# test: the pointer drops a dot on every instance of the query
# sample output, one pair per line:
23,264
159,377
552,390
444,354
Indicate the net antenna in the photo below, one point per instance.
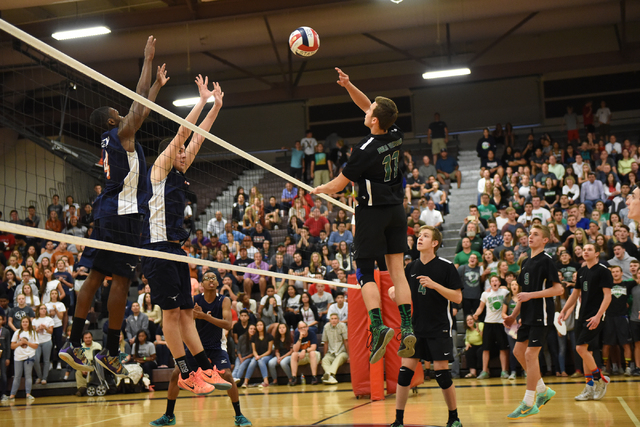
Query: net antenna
69,61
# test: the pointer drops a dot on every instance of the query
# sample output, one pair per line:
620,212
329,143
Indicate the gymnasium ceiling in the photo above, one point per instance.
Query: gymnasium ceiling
384,46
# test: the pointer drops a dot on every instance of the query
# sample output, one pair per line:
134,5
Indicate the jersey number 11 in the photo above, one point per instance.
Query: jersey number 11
390,162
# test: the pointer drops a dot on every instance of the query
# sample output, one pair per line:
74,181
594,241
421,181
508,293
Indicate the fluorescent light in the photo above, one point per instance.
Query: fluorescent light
189,102
82,32
396,1
446,73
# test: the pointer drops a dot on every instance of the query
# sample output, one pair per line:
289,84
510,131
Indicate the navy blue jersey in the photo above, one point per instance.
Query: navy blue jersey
125,188
164,222
212,337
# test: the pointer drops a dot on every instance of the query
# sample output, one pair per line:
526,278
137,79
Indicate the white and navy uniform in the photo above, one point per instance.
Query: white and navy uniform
537,274
381,223
163,231
432,318
119,210
213,339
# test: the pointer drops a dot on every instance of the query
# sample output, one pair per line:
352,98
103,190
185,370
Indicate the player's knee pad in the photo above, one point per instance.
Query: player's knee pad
405,377
443,378
365,270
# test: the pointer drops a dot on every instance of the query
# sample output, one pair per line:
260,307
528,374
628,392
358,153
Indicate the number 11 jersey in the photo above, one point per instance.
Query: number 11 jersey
432,316
374,165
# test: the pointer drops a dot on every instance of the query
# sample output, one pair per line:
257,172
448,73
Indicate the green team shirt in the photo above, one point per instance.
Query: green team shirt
487,212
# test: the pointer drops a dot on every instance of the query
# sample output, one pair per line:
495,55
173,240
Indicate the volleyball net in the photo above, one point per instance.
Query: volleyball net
50,148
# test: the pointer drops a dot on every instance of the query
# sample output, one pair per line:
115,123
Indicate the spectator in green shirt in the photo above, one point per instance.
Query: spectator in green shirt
462,257
474,237
487,211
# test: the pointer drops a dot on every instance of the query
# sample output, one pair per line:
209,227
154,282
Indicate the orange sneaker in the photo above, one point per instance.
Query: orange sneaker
195,384
212,376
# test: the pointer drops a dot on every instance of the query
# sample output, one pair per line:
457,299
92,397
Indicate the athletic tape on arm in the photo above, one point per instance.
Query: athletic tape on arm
82,241
65,59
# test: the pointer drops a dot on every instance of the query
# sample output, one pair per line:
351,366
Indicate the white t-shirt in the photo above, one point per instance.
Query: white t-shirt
20,354
263,301
493,305
343,313
43,336
35,303
57,322
431,217
308,146
307,315
293,302
543,214
500,222
51,285
252,306
603,114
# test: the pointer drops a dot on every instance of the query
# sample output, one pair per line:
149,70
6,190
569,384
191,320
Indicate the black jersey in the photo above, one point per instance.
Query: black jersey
591,281
212,336
620,293
432,316
537,274
374,164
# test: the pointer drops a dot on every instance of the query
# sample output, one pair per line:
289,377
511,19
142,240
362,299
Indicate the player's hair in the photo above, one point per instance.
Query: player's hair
544,229
435,235
99,119
596,247
386,112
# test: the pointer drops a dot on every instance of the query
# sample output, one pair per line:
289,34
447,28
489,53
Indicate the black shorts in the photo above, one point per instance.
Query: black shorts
218,358
635,331
120,229
170,281
494,336
380,230
616,331
434,349
584,335
536,335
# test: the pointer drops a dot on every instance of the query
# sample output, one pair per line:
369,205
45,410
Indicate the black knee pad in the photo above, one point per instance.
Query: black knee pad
443,378
405,377
365,270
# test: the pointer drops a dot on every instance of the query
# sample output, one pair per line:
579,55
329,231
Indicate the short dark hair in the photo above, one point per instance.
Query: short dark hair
99,119
339,294
31,207
386,112
243,311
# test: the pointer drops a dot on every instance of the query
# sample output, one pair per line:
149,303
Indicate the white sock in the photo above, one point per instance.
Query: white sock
541,386
529,396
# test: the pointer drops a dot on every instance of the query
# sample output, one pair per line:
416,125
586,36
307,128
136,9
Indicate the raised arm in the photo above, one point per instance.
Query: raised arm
359,98
197,140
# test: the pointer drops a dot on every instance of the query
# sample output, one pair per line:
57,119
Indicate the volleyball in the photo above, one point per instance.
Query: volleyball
304,42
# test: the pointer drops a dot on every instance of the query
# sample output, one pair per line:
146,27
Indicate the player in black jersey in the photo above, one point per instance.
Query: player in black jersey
212,315
617,331
381,223
435,284
539,282
593,286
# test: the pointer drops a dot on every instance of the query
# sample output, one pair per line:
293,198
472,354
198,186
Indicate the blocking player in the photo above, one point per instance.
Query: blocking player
538,280
213,315
435,284
118,214
381,223
163,231
593,286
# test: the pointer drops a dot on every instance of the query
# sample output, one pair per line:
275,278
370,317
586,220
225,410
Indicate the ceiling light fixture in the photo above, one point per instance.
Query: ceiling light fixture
446,73
82,32
396,1
189,102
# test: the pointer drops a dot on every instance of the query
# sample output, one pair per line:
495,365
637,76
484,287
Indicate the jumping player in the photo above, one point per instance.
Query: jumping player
163,231
538,280
594,286
213,314
381,223
435,284
118,213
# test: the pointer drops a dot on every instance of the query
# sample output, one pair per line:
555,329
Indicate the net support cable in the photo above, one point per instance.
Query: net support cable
82,241
73,63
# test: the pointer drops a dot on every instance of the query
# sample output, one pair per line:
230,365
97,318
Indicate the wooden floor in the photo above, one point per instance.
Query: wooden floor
480,403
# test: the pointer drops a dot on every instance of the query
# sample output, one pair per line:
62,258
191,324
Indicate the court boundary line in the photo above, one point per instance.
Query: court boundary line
629,412
110,419
342,413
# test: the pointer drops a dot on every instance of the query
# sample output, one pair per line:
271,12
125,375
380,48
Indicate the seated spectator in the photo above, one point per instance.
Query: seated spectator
200,240
321,300
272,217
336,348
431,216
485,144
309,312
163,359
259,235
32,300
340,307
540,179
291,306
316,223
341,235
538,211
217,225
492,164
447,168
345,258
305,245
493,239
299,267
271,313
304,352
591,192
53,223
251,280
550,195
621,235
556,169
35,219
486,210
283,348
428,170
61,251
244,353
247,243
245,302
474,238
415,186
287,259
239,209
261,346
137,321
89,348
14,219
153,312
143,352
462,257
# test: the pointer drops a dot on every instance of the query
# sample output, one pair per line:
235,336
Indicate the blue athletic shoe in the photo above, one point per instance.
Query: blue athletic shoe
111,363
164,421
75,357
242,421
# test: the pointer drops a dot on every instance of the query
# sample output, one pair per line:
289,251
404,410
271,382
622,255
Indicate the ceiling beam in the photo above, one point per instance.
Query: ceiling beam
300,71
395,48
502,37
40,12
242,70
275,49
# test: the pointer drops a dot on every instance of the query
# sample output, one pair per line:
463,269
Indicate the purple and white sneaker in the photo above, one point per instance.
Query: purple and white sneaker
75,357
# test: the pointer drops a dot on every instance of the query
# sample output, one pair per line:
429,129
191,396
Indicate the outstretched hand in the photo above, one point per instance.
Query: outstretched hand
203,87
150,48
161,75
343,78
218,94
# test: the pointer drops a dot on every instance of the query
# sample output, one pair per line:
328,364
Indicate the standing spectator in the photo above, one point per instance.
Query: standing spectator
472,289
24,343
282,349
604,120
321,167
570,122
144,352
616,331
86,219
19,312
437,137
473,345
304,352
89,348
309,144
43,325
447,168
336,348
5,357
297,165
57,311
485,144
14,219
587,117
135,323
216,225
56,207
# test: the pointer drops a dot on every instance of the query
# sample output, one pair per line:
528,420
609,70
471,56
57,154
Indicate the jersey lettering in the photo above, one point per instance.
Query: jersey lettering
389,164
